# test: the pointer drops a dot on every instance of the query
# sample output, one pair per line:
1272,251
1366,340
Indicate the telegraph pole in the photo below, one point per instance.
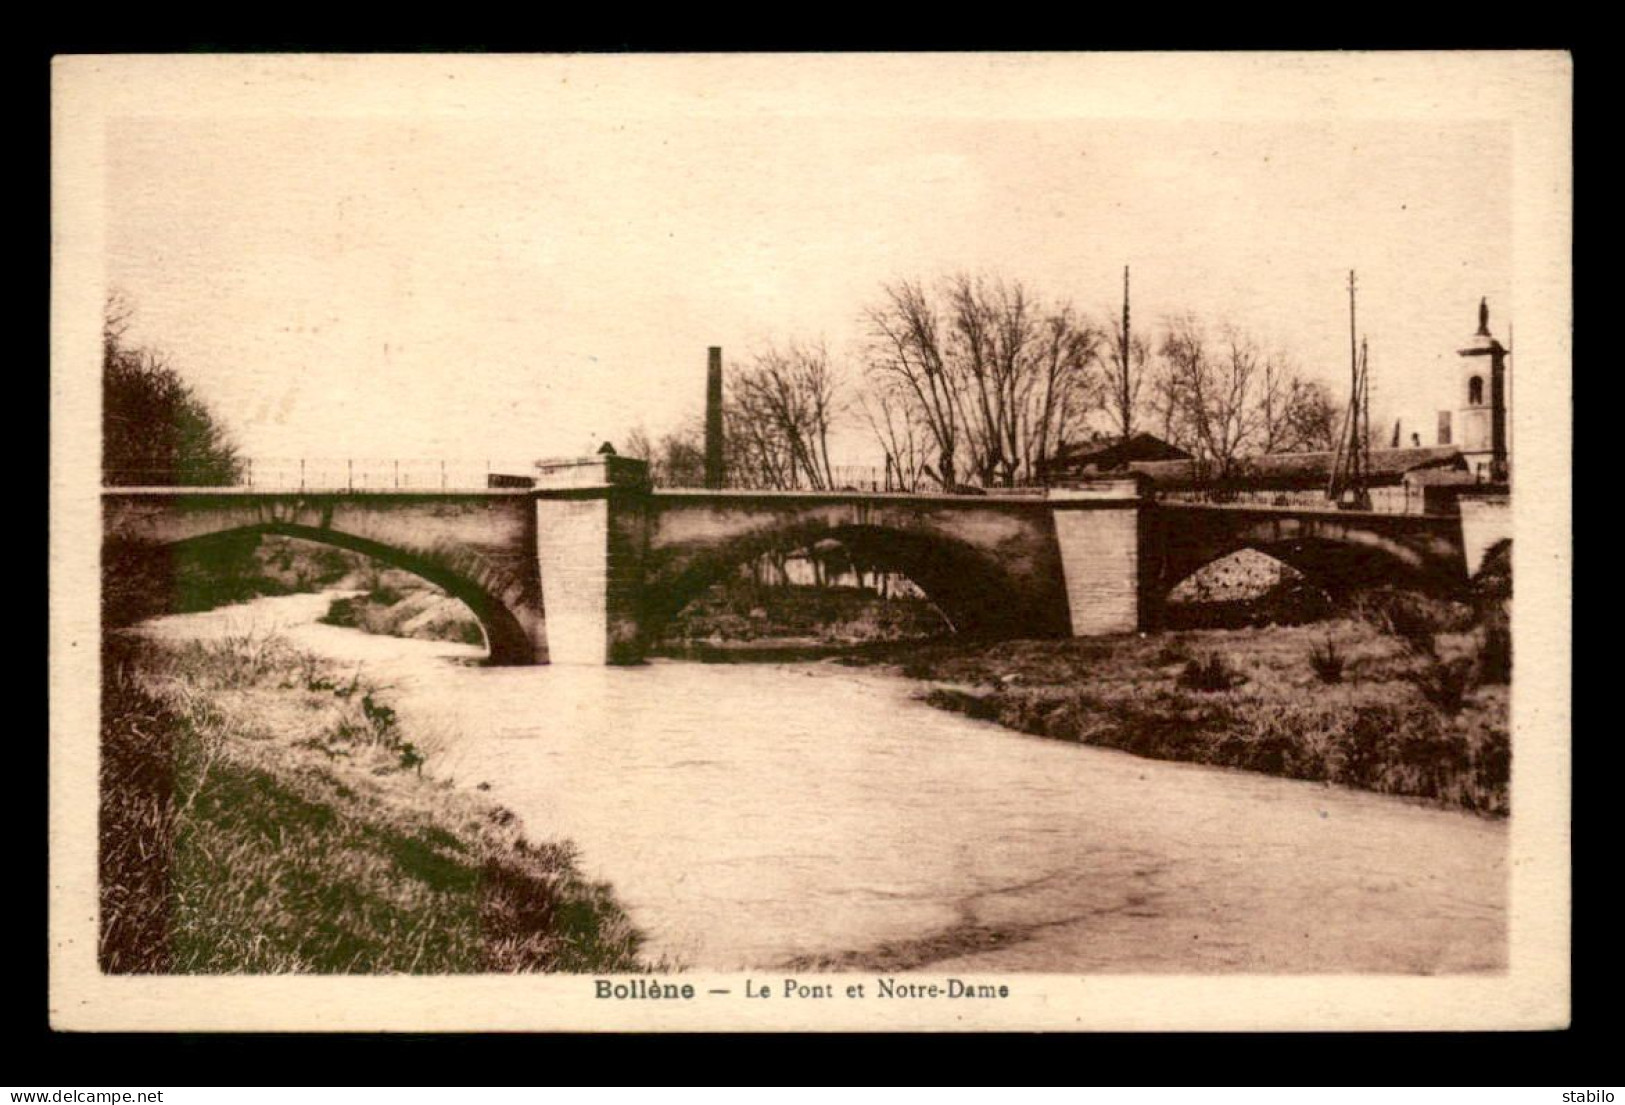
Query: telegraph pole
1352,462
1124,395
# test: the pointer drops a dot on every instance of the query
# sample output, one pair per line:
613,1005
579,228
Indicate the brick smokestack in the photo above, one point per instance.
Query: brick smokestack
713,419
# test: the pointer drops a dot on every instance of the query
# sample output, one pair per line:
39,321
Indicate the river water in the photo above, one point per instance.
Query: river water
760,815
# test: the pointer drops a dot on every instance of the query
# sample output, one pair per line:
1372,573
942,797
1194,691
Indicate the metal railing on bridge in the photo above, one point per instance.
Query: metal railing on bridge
362,474
845,477
874,479
1401,499
330,474
335,474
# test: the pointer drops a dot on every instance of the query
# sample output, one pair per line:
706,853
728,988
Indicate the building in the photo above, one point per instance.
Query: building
1399,480
1110,454
1479,425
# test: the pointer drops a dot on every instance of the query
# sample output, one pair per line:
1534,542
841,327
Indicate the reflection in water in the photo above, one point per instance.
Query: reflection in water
758,815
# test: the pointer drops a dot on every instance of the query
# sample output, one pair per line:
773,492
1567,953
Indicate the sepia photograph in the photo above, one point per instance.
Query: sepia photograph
894,542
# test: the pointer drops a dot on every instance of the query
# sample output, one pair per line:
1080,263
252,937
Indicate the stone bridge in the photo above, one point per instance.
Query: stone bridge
591,564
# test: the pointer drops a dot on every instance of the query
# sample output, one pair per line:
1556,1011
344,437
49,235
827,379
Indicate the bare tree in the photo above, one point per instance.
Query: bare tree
1166,407
996,382
900,432
1293,415
780,411
1311,417
638,445
1277,385
1212,384
1222,399
679,459
1064,390
906,359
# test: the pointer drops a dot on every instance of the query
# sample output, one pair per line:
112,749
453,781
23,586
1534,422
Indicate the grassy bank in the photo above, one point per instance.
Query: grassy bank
1348,702
262,812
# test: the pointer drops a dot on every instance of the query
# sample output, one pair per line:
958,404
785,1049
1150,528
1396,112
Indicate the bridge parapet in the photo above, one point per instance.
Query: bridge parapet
592,472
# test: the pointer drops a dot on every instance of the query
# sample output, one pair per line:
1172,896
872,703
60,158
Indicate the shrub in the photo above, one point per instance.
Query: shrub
382,594
1411,626
1413,618
1209,674
1494,578
155,430
1327,662
342,612
1495,649
379,716
1445,683
1171,651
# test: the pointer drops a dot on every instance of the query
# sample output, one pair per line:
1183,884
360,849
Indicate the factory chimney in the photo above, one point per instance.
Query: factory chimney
713,420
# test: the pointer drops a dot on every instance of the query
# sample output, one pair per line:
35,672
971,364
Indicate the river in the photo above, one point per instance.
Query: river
759,815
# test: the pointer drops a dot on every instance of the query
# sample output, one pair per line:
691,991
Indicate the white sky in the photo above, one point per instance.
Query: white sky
532,266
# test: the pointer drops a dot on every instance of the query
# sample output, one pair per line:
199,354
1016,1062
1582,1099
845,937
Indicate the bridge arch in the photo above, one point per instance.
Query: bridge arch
1336,564
491,598
968,586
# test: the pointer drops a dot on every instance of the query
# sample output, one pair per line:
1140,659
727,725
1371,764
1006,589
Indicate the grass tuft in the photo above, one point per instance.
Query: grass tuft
1327,662
1210,674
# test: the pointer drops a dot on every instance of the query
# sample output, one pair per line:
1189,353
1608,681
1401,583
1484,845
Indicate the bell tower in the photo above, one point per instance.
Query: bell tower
1481,417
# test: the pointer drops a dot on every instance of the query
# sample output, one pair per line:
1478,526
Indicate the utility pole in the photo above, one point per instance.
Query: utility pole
1351,465
1354,393
1362,477
1125,395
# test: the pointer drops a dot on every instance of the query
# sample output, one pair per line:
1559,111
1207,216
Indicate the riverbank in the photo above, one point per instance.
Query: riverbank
1339,702
264,812
1402,695
756,816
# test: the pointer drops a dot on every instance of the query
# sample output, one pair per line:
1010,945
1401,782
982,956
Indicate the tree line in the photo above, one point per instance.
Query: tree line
980,381
967,381
155,431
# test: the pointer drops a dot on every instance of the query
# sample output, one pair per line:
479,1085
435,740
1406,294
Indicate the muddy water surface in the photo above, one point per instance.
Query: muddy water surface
767,814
